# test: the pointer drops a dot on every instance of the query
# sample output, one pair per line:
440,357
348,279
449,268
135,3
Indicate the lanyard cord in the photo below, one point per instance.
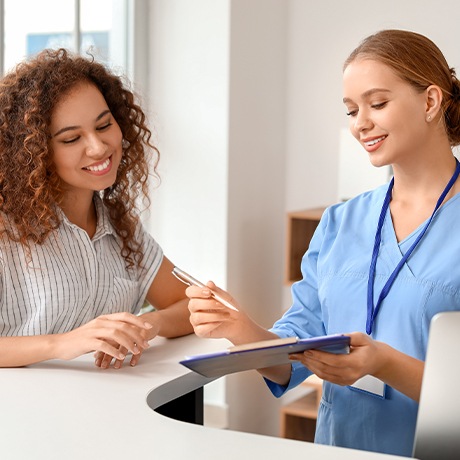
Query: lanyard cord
371,310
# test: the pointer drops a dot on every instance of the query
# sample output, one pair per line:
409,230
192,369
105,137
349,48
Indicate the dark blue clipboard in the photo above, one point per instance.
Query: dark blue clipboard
237,359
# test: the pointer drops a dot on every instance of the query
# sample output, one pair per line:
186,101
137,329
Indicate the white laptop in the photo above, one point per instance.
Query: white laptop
437,434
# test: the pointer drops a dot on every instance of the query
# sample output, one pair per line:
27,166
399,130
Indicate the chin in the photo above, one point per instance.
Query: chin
378,162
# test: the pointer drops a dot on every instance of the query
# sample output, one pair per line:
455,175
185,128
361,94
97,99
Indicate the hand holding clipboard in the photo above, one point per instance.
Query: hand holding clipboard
262,354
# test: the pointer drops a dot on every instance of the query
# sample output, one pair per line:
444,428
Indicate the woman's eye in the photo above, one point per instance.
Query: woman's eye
107,125
380,105
352,113
71,141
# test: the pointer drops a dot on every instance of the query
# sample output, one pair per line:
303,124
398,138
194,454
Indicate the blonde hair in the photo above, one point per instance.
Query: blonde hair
419,62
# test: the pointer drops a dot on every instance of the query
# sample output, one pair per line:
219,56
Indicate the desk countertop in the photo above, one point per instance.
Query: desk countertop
73,410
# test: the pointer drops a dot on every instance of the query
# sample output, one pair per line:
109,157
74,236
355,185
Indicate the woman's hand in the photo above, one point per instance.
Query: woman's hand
367,357
343,369
111,336
210,318
103,360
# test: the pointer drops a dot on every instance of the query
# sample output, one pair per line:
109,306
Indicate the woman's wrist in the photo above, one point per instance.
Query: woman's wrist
155,320
382,360
248,331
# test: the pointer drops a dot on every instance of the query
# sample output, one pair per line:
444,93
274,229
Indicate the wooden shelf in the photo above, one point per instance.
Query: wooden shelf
300,228
298,418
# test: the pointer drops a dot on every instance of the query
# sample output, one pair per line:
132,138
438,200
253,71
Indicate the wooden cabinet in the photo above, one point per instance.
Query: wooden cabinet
298,418
300,228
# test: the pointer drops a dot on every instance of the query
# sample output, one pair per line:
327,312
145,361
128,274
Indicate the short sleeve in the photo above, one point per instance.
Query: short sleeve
151,262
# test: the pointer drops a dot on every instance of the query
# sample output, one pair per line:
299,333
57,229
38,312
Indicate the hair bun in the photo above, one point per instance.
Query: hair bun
455,86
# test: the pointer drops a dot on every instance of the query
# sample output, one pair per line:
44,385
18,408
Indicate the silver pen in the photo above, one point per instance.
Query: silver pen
190,280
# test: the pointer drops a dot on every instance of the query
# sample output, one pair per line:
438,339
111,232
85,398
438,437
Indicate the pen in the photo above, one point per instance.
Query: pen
188,279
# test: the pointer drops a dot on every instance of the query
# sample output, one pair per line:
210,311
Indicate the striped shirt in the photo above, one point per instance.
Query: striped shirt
72,279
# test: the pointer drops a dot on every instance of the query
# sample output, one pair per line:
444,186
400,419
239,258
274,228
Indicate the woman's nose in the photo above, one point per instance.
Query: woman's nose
95,146
362,121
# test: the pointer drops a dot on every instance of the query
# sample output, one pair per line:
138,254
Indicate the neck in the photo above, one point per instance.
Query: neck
416,193
81,212
423,180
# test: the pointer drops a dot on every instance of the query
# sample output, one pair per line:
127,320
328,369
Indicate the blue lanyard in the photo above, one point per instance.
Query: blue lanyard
371,310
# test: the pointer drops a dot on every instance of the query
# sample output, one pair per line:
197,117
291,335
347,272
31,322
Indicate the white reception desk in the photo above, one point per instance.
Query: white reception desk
73,410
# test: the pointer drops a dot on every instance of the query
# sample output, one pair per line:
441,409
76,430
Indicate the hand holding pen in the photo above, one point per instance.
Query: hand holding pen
188,279
213,313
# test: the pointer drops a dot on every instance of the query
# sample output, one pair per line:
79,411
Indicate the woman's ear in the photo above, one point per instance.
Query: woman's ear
433,102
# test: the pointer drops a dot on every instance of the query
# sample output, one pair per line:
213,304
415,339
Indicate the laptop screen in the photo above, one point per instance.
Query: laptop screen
437,434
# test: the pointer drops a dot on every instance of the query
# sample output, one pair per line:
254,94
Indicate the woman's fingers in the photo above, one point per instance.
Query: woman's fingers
135,359
114,336
128,335
343,369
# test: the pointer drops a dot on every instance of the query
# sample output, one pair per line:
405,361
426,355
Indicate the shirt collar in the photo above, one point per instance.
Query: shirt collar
103,226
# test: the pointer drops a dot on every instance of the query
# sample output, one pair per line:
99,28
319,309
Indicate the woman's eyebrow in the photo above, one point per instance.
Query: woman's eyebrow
70,128
368,94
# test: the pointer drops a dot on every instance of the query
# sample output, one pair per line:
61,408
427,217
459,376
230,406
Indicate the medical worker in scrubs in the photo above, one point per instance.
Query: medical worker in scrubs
381,265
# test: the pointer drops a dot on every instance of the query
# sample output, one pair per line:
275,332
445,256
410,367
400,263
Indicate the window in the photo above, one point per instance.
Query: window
98,27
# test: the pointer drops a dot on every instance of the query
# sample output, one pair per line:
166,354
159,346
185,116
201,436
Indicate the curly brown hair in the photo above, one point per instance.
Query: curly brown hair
30,190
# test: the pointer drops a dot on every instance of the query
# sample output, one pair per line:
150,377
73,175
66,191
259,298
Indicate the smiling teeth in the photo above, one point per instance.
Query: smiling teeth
374,141
100,167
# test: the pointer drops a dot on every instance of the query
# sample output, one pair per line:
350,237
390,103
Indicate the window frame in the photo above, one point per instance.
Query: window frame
135,52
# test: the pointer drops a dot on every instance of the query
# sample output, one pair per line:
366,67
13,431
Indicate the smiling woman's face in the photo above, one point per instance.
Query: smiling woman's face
86,141
387,115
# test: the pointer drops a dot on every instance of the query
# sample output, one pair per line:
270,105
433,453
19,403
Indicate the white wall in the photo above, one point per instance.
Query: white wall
188,89
217,79
256,188
189,99
246,100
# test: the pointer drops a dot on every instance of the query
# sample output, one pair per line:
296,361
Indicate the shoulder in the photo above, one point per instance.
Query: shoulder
364,206
347,219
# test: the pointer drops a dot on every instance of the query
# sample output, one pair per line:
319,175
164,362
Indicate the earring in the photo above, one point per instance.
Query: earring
428,118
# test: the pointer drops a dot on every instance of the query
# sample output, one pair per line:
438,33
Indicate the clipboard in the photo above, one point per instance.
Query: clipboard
258,355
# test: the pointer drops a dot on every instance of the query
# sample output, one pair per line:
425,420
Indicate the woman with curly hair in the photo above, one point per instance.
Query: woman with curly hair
76,264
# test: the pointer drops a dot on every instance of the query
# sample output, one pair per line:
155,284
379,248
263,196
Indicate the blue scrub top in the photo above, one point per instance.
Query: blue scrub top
331,298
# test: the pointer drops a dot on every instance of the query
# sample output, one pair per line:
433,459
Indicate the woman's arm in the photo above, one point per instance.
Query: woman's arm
112,335
167,296
402,372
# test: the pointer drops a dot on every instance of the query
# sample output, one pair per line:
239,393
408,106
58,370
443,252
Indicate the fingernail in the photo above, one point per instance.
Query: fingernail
148,325
121,356
145,344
